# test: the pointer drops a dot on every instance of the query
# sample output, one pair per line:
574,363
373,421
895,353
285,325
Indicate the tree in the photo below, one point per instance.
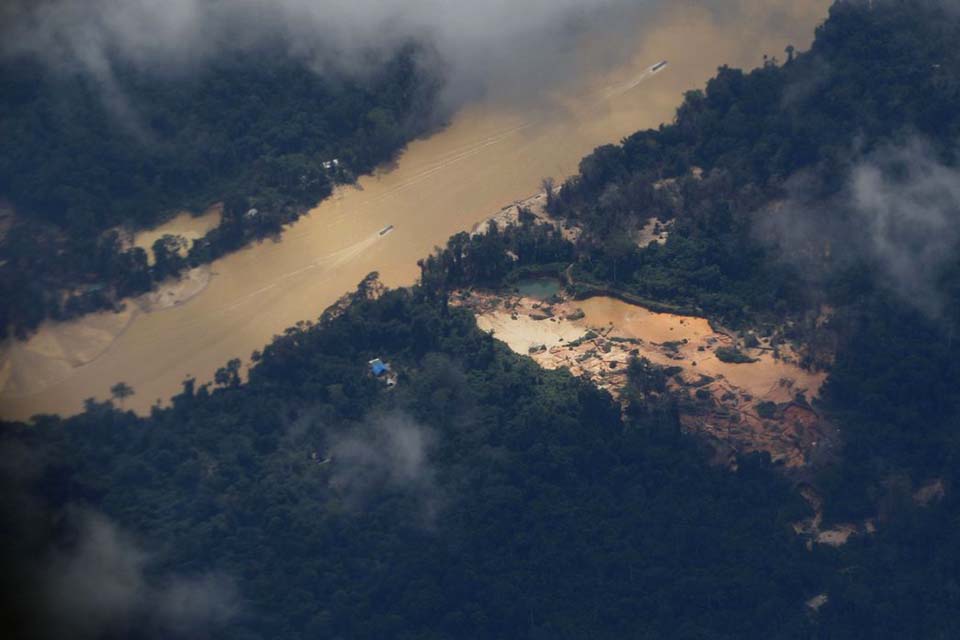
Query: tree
121,391
228,376
619,248
548,188
168,255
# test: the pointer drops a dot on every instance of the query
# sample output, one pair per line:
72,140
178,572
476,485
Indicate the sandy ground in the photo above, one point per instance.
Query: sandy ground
490,154
771,379
596,338
523,333
535,204
176,291
58,350
813,530
655,230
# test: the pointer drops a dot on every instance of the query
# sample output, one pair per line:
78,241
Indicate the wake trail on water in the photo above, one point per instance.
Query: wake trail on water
617,91
324,263
443,161
465,152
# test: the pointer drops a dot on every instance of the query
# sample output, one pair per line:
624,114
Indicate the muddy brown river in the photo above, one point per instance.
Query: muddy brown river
489,156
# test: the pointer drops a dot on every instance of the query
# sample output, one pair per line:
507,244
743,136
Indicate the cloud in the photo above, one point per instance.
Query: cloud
388,453
190,605
70,572
899,212
909,206
98,584
483,45
102,584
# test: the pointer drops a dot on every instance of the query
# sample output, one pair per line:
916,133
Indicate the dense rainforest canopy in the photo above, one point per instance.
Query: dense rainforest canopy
877,84
486,498
480,498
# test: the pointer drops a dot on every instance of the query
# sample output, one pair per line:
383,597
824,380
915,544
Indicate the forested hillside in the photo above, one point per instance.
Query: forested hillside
483,497
831,215
827,182
880,80
257,130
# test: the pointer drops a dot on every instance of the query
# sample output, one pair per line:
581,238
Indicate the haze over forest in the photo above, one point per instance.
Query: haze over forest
486,48
575,332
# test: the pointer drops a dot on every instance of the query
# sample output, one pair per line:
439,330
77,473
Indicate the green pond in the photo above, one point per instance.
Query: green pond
540,288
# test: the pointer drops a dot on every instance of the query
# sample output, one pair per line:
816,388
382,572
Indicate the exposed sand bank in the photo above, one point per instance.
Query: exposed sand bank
176,291
488,156
59,350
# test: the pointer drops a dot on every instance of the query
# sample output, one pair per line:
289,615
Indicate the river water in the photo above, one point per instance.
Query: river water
489,156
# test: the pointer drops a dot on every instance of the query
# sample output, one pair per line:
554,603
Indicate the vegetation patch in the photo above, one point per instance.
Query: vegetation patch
767,410
732,355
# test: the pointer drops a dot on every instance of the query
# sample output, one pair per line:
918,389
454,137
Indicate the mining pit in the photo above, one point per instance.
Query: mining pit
763,401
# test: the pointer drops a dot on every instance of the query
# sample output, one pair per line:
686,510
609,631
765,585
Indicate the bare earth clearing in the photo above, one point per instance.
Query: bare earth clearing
537,205
596,338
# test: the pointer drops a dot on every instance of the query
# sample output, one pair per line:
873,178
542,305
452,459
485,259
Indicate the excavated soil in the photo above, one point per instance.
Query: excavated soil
723,401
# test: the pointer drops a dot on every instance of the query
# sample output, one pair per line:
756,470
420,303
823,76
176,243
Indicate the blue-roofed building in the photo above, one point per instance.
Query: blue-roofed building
378,367
381,370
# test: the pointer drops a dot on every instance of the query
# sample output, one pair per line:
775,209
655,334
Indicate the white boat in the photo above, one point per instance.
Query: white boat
657,67
387,229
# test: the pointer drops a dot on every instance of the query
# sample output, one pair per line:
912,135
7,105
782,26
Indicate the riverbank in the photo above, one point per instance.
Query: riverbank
186,225
176,291
489,155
